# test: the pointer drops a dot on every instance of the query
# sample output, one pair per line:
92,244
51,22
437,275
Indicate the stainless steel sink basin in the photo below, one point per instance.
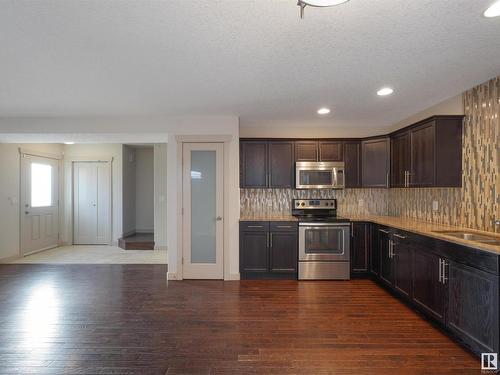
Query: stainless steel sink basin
471,236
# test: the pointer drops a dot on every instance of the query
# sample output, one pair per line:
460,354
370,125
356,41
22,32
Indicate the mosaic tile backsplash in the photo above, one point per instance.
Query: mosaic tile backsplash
475,205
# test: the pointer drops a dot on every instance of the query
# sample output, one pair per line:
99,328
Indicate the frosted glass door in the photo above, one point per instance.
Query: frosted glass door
202,205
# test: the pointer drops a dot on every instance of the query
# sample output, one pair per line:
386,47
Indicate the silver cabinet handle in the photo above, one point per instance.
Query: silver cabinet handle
444,277
267,237
406,178
352,230
283,226
271,240
399,236
387,180
390,249
254,226
384,231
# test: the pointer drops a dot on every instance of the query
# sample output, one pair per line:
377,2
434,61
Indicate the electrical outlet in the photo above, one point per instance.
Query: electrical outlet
435,205
361,202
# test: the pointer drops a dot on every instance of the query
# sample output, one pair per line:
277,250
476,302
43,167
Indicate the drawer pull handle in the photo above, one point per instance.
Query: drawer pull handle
283,226
254,226
384,231
399,236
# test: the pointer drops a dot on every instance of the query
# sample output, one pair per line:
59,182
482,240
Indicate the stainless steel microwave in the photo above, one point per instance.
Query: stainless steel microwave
319,175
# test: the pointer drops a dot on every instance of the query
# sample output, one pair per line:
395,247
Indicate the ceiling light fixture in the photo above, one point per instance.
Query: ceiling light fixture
323,111
69,143
493,10
384,91
318,3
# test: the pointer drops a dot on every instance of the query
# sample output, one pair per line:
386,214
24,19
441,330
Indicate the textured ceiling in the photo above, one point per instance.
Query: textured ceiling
255,59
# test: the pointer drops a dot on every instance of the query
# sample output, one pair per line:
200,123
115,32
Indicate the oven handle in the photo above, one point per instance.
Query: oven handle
324,225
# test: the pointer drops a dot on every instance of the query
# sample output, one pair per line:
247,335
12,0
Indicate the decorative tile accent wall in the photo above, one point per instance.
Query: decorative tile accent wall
475,205
277,202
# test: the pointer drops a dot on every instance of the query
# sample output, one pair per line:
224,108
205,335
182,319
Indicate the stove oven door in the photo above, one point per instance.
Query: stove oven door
324,241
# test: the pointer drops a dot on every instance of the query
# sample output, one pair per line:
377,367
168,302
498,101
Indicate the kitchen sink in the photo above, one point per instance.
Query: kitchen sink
471,236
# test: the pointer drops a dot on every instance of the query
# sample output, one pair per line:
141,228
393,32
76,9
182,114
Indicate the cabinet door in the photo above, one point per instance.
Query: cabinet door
386,271
306,151
403,267
330,151
472,311
253,164
352,160
283,252
254,251
375,162
360,247
428,291
375,251
422,160
281,165
400,159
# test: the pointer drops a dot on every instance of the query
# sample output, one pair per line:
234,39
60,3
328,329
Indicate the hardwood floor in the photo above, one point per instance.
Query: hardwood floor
124,319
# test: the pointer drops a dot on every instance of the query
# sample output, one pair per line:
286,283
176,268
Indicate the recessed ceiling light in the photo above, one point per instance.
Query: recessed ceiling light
323,111
493,10
69,143
384,91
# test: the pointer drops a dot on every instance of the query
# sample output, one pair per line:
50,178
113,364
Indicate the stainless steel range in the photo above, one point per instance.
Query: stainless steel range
324,240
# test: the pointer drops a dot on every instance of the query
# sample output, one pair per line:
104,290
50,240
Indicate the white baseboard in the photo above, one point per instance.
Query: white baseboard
144,231
172,276
114,243
9,259
234,276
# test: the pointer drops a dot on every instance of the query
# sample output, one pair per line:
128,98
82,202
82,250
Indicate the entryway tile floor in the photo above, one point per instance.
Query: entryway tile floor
100,254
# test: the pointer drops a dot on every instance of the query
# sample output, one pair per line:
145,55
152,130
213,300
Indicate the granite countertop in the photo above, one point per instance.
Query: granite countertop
406,224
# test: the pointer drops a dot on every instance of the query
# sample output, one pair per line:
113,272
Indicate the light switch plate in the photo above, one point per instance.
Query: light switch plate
361,202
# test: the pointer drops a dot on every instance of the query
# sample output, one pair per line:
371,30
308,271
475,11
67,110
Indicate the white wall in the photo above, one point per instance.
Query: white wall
160,195
144,189
10,169
93,152
129,190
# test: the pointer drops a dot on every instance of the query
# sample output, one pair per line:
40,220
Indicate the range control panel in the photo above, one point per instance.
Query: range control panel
313,204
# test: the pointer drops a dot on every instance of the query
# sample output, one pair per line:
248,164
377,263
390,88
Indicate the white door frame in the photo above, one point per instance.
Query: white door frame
110,203
180,139
22,189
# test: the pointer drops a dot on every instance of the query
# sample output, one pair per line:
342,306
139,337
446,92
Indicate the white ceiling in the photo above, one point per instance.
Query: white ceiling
255,59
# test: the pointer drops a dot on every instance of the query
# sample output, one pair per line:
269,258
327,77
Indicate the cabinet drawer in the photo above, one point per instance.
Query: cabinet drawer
283,226
254,226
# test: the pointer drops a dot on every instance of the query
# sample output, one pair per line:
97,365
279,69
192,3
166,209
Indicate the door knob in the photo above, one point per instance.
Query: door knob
218,218
26,212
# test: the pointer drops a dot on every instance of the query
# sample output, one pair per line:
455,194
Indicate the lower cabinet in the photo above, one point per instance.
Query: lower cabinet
448,283
360,248
268,250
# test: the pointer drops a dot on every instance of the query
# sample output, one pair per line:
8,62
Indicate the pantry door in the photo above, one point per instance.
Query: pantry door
202,207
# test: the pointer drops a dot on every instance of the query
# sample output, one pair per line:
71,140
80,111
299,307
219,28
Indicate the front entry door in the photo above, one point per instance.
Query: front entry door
39,203
203,194
91,203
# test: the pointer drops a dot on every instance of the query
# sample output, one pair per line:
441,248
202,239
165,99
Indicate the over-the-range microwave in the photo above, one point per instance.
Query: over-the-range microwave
319,175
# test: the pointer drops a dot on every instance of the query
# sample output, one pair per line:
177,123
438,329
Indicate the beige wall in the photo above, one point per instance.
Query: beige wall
144,190
10,169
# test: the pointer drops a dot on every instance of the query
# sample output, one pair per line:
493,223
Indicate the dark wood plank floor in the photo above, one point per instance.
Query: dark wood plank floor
124,319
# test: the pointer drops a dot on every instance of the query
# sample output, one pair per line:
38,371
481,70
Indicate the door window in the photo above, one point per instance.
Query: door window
41,185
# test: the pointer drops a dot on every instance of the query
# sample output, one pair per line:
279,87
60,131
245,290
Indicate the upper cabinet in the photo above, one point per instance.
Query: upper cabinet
428,154
322,150
352,160
375,162
266,164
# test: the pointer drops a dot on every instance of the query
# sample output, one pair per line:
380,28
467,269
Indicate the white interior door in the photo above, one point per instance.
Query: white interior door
203,194
91,203
39,203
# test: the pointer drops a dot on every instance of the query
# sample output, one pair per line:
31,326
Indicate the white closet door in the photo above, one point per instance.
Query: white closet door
91,203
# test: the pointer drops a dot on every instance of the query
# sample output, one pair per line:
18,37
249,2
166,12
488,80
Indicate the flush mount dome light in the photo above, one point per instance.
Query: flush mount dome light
384,91
69,143
318,3
493,10
323,111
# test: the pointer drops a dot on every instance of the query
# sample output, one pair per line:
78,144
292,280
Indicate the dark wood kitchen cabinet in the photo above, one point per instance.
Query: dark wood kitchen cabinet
352,160
385,248
330,151
306,150
400,159
268,250
267,164
472,312
428,153
402,260
375,156
253,164
281,165
360,248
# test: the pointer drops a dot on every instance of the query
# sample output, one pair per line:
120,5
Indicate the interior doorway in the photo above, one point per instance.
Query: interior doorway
39,203
203,206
